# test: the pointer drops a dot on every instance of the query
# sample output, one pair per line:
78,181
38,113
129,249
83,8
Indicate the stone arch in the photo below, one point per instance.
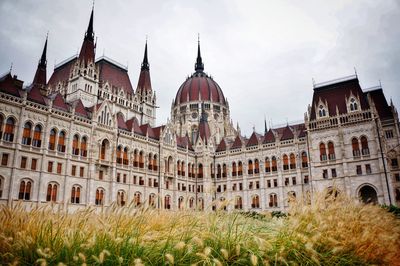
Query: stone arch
367,193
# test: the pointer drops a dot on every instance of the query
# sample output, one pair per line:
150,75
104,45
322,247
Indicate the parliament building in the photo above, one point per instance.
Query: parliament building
88,137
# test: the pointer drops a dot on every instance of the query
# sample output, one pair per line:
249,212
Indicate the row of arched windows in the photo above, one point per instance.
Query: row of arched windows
32,135
329,153
181,170
7,128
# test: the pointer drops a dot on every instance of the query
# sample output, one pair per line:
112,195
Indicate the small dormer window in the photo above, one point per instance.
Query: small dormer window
353,105
322,112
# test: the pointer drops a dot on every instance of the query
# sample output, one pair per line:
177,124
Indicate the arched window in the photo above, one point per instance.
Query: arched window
250,168
137,199
274,164
135,158
234,170
25,188
322,152
52,139
178,167
180,203
273,200
200,204
219,171
84,147
9,130
200,175
240,168
75,145
256,166
61,142
99,196
119,155
170,166
285,162
150,161
322,112
267,165
224,170
353,105
167,202
238,203
304,160
364,146
292,161
155,164
103,149
356,147
51,192
75,194
189,170
121,198
191,203
141,159
152,200
255,201
37,136
331,151
183,168
27,134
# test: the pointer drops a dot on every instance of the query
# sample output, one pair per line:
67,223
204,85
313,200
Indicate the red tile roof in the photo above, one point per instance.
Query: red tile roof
11,85
287,133
221,146
61,73
114,75
80,109
148,130
59,103
133,123
157,130
237,143
121,122
144,83
269,137
335,95
184,142
204,131
34,94
253,140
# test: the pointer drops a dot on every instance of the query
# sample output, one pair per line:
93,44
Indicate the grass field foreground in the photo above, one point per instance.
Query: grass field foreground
328,232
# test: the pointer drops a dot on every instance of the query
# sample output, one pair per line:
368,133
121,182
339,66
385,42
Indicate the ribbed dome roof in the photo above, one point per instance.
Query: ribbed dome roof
199,87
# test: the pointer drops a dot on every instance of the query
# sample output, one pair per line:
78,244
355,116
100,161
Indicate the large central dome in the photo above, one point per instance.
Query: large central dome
199,87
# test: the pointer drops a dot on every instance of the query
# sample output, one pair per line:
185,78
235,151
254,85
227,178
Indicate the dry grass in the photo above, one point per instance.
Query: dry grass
328,232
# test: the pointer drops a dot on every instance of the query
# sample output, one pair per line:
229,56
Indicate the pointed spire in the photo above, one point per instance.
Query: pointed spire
89,33
145,64
265,125
41,75
43,60
199,67
87,52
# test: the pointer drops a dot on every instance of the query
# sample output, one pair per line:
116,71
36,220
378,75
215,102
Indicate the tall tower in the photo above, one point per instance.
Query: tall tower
145,93
84,77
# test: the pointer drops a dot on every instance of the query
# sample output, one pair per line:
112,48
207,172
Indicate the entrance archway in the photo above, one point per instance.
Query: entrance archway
368,194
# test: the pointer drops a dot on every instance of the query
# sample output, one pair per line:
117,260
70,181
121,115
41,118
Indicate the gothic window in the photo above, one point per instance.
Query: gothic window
321,112
256,166
238,203
135,158
9,130
273,200
364,146
218,171
255,201
103,149
178,167
191,203
167,202
52,139
201,204
27,134
155,165
224,170
274,164
141,159
121,198
304,159
234,170
84,147
200,175
331,151
152,200
189,170
322,152
51,192
183,173
75,194
180,203
292,161
137,199
240,168
75,145
267,165
285,162
355,147
37,136
99,196
353,105
119,155
61,142
25,188
250,167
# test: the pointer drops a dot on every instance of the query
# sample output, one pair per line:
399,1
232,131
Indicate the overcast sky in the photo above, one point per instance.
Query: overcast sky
263,54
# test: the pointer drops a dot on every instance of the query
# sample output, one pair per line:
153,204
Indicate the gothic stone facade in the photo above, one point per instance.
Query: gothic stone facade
85,138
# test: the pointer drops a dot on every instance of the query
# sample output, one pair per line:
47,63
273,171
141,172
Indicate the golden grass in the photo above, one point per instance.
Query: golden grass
328,232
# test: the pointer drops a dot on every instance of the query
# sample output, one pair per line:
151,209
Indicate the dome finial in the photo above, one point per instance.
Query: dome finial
199,66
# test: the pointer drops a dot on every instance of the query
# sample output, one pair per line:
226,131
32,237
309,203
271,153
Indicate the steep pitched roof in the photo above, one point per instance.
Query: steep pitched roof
115,75
80,109
34,94
59,103
11,85
269,137
287,133
204,131
40,78
335,94
221,145
144,83
157,131
184,142
87,52
148,130
133,123
381,105
61,73
121,122
253,140
237,143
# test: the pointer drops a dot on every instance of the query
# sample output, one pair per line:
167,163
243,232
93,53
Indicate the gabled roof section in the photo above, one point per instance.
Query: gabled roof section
59,103
133,123
148,130
237,143
34,94
269,137
11,85
381,105
114,74
80,109
157,130
335,94
287,133
61,72
184,142
121,122
221,146
253,140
